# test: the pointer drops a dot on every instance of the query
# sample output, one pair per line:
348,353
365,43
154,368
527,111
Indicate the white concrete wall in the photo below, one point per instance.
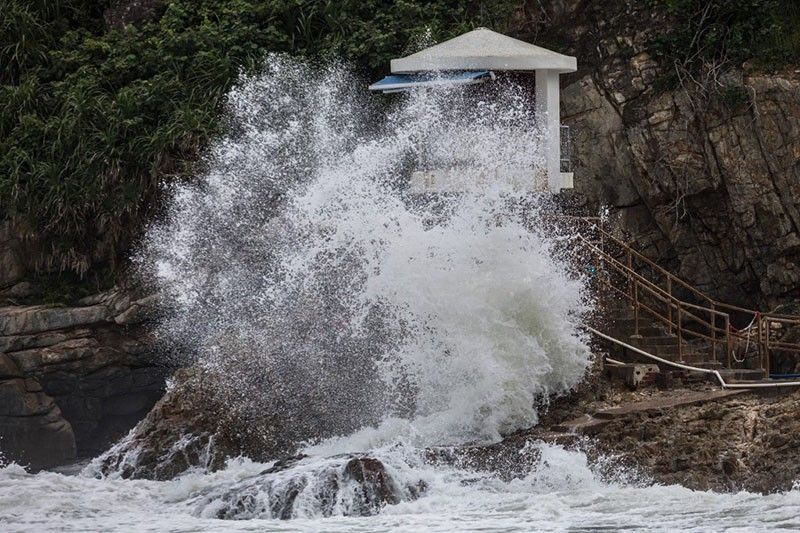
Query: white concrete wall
548,114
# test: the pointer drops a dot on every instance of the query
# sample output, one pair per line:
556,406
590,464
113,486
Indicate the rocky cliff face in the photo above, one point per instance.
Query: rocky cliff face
705,177
74,379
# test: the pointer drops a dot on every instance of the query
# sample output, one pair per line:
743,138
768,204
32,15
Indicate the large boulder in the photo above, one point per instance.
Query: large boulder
197,425
95,362
352,485
187,428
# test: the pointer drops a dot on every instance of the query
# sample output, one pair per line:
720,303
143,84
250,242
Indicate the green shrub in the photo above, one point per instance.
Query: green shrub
731,32
93,121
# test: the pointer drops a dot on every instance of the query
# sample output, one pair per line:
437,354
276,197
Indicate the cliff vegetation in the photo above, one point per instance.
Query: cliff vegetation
102,103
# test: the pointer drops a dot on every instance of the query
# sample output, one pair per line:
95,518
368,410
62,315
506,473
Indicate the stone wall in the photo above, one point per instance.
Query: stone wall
74,379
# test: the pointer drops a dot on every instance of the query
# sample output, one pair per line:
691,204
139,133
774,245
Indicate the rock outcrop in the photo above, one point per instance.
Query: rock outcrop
697,436
201,422
32,428
187,428
693,434
705,179
746,442
74,379
352,485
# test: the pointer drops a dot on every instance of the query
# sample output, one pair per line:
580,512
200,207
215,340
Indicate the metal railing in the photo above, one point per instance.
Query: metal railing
656,294
566,149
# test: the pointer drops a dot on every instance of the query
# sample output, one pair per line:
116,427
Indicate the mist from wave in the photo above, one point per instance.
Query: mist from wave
303,273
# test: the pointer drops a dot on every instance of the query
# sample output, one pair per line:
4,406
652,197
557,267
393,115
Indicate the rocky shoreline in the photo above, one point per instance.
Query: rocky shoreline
696,435
74,379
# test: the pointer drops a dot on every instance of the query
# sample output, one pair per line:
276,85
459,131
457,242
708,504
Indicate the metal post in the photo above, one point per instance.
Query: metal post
761,351
630,274
713,333
602,238
669,305
766,349
603,271
636,308
728,338
680,336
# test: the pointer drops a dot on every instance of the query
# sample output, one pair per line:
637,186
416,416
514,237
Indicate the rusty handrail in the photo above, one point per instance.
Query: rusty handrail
639,286
673,278
655,289
660,295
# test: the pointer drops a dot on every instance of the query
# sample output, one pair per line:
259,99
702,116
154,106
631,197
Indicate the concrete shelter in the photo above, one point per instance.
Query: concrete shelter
482,50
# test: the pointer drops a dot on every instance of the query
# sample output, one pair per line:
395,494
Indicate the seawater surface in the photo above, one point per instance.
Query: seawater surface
563,494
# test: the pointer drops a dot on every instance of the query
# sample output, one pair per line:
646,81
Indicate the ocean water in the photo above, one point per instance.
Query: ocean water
563,494
300,271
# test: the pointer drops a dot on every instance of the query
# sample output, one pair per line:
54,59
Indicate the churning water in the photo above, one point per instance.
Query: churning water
561,494
303,274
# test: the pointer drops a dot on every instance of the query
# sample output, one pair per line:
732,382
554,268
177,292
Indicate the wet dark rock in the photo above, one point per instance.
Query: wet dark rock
375,487
100,375
33,431
351,486
513,457
185,429
284,464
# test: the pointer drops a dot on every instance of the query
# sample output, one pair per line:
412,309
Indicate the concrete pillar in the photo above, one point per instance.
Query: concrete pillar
547,111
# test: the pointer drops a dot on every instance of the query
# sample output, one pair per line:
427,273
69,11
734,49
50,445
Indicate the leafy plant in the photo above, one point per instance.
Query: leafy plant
93,120
723,33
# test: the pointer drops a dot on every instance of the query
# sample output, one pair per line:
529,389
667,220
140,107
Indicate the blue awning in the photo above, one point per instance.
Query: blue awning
404,82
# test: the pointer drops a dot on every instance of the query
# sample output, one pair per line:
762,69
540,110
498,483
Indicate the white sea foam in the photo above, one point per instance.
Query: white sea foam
561,494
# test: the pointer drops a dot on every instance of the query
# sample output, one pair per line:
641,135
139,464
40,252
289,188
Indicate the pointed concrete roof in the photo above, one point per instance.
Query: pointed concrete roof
484,49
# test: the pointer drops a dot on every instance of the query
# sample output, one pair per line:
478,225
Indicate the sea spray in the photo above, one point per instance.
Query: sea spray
304,274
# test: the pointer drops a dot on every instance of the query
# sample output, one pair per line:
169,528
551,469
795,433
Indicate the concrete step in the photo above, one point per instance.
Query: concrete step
670,352
692,358
711,365
627,334
646,329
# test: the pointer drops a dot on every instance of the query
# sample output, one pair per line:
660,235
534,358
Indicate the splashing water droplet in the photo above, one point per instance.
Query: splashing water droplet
304,273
